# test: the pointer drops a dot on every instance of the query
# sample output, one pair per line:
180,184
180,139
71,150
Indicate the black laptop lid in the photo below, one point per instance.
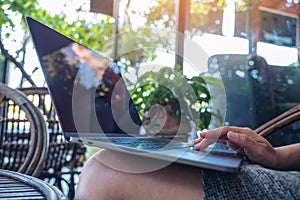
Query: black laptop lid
79,106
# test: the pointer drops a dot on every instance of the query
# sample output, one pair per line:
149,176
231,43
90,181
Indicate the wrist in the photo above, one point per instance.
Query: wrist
278,159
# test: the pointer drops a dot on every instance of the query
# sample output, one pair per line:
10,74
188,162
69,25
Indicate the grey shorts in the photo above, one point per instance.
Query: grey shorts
251,182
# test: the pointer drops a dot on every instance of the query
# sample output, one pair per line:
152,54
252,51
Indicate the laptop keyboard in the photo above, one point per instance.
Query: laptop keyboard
151,143
148,143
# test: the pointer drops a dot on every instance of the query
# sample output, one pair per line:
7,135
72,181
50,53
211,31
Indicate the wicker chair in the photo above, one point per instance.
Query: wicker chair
15,185
240,75
262,96
280,121
64,159
24,139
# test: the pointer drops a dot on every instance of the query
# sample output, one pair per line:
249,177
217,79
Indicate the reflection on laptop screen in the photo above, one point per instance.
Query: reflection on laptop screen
83,101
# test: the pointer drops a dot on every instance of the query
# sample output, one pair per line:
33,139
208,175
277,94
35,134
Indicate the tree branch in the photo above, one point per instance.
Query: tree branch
126,11
16,63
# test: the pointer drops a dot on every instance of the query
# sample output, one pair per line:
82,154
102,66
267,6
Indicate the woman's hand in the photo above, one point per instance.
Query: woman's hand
242,140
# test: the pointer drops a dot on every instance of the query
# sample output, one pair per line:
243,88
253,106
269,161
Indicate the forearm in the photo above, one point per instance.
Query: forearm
289,157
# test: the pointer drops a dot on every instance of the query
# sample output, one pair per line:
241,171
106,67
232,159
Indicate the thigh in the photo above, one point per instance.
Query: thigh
100,180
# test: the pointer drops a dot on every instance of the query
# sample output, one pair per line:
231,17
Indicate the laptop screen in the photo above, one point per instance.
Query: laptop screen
84,101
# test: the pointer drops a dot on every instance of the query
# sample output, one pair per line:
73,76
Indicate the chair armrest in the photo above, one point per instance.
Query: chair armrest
280,121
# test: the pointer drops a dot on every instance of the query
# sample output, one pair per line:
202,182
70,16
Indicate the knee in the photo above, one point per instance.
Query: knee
96,181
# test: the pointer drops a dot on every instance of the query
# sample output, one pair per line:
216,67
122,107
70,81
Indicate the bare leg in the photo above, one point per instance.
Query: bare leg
98,181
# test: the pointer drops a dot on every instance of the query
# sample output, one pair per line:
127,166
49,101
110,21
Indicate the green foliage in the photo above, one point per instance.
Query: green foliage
162,13
16,7
205,16
85,32
137,46
168,86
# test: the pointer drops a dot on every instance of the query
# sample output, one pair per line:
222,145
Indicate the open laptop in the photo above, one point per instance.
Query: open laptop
86,119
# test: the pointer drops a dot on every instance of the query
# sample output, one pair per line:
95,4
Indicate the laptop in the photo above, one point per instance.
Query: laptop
85,117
